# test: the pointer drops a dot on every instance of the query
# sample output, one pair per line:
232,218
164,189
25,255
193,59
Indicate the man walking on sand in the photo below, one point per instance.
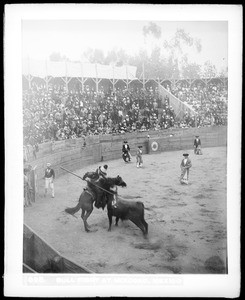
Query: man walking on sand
197,145
49,179
185,167
139,160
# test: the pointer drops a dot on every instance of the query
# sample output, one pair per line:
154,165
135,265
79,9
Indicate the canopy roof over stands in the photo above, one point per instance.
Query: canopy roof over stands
42,69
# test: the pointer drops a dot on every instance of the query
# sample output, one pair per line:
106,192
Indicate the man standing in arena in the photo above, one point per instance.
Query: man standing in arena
126,149
185,166
139,160
197,145
49,177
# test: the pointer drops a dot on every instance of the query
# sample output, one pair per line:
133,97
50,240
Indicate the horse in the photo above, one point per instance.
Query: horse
99,188
126,210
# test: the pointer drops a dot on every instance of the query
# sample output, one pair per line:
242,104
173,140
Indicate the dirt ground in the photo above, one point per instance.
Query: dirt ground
187,223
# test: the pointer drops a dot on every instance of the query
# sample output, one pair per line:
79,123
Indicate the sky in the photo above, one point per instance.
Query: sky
40,38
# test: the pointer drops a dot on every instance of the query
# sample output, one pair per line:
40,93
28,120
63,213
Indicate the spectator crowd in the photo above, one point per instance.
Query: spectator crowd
209,101
55,114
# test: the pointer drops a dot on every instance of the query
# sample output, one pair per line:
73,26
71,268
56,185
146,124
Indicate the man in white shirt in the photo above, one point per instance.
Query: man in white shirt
49,179
185,166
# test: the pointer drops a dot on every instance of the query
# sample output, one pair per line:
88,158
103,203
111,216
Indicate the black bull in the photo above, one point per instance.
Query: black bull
124,210
127,210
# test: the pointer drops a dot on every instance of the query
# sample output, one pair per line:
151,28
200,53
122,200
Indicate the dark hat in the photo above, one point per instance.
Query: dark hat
125,141
140,146
185,154
196,135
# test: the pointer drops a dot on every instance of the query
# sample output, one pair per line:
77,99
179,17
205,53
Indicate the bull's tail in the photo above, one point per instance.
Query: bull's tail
73,210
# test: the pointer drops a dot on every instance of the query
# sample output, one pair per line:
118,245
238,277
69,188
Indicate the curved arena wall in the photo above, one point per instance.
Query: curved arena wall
74,154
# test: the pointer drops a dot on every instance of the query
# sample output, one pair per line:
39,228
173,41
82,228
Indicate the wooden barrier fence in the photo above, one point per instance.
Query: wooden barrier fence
78,153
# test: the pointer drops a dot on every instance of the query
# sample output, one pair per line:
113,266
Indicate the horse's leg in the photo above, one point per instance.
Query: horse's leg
117,219
87,208
110,220
88,213
86,226
84,220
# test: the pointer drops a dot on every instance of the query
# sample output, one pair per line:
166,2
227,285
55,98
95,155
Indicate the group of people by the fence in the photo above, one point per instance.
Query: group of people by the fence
30,183
55,114
29,189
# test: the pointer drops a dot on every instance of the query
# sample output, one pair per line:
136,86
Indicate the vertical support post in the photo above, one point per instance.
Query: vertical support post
96,81
159,83
82,77
46,77
29,81
127,76
113,79
66,78
143,64
29,74
143,70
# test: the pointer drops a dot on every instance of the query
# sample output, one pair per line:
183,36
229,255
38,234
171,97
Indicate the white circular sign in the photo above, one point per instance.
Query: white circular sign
154,146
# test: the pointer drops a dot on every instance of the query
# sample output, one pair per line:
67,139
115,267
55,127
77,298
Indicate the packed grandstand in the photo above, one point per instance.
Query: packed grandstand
52,111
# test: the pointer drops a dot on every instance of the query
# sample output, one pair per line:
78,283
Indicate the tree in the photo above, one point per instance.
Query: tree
152,29
192,71
111,57
179,47
156,68
151,33
94,55
56,56
88,54
224,71
117,57
209,70
98,56
122,58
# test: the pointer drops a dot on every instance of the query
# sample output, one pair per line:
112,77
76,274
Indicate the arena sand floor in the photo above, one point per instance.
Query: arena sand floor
187,223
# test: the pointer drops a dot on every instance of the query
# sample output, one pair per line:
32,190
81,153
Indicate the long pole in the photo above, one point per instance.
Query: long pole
72,173
86,180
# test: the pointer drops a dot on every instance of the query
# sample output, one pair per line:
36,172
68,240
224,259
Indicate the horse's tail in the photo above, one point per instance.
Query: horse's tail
73,210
